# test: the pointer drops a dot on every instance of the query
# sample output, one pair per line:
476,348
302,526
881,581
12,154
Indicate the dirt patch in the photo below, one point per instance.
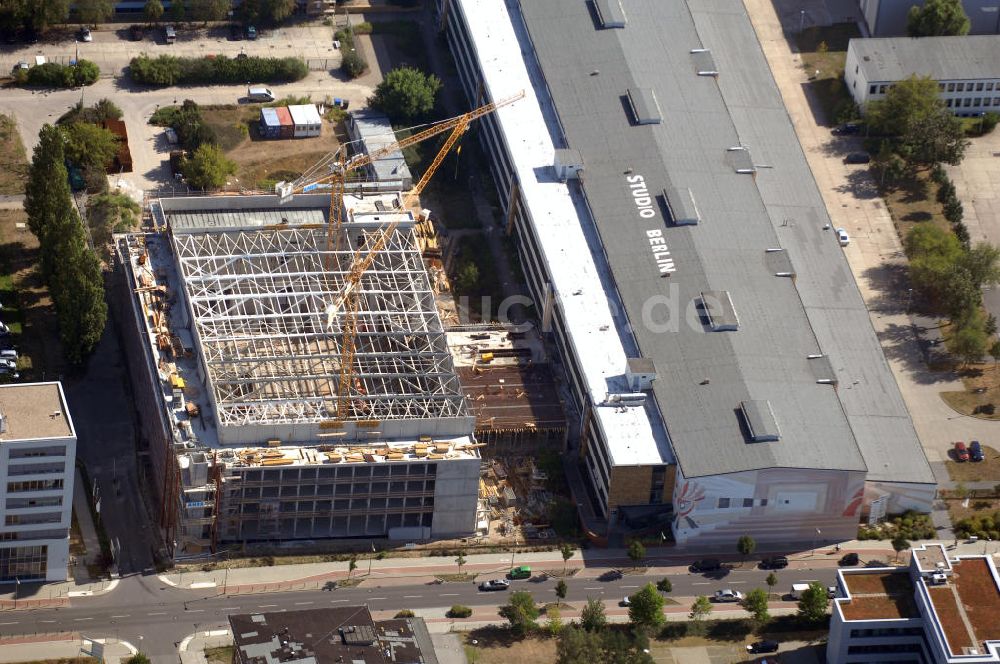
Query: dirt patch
912,201
494,646
221,655
824,50
987,470
976,507
65,660
76,545
13,158
28,310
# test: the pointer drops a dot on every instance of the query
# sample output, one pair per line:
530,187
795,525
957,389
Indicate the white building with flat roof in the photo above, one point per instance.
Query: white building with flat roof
37,457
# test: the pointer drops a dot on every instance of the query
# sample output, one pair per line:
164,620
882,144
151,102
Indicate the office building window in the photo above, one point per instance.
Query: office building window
22,563
25,453
951,87
947,102
723,503
967,102
979,86
34,485
960,87
940,87
882,89
978,101
748,502
872,89
989,86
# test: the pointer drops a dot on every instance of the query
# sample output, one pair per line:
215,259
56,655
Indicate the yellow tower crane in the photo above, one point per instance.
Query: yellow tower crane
334,170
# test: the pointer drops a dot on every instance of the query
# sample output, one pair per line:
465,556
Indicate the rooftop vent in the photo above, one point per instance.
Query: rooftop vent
640,373
739,158
760,420
645,108
568,164
680,203
779,263
704,63
822,369
610,13
718,307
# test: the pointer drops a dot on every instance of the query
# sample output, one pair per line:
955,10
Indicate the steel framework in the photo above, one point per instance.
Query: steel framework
259,300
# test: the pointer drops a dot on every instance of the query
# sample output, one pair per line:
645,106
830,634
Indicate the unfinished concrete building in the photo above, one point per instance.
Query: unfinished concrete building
235,346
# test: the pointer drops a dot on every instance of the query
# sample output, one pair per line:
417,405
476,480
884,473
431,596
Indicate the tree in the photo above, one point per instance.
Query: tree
933,138
578,646
467,277
969,343
138,658
208,168
561,590
592,617
636,552
983,263
908,99
278,10
153,11
746,546
177,12
460,561
700,609
352,63
755,603
961,491
567,551
899,544
812,605
995,352
937,18
618,647
933,253
93,12
43,203
406,94
771,581
646,607
521,612
963,299
209,10
664,585
889,165
37,15
90,145
352,565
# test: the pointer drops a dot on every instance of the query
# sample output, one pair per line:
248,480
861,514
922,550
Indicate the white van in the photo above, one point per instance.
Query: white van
259,94
170,34
798,589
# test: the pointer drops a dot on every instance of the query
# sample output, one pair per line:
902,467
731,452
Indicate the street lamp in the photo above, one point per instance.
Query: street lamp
815,539
802,20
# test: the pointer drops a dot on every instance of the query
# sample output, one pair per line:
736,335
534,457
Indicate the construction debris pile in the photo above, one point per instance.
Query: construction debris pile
516,498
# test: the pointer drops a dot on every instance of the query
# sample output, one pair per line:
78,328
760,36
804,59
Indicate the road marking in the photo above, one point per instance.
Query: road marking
335,601
302,603
630,586
10,623
81,619
412,596
265,606
733,583
123,616
701,583
47,621
158,613
230,608
593,588
449,594
196,611
372,599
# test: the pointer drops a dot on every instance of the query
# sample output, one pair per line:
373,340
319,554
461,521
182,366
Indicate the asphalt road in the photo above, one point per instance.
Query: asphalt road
155,617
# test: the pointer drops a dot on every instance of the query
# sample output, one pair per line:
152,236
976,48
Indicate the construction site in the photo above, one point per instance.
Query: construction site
295,381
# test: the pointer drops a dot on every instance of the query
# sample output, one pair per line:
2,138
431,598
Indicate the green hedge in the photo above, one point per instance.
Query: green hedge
167,70
52,75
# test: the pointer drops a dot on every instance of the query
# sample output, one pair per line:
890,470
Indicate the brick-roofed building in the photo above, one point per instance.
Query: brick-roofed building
328,636
939,609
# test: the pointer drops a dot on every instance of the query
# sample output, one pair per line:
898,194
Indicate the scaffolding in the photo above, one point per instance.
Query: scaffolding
259,299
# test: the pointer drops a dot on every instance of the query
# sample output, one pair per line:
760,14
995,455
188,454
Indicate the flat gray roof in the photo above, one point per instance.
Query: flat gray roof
704,377
941,58
34,411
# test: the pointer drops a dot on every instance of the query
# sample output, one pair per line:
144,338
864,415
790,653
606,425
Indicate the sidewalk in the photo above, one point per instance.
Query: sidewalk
659,561
50,647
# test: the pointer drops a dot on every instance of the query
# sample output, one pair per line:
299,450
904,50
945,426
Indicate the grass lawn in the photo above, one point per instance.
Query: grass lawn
66,660
976,506
981,396
987,470
913,201
13,159
405,42
824,50
220,655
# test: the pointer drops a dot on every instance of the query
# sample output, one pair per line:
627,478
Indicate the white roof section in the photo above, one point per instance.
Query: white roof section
555,218
304,114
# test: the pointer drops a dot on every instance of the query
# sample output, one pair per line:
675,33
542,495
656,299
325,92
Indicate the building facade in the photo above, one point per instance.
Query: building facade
938,610
37,467
888,18
966,69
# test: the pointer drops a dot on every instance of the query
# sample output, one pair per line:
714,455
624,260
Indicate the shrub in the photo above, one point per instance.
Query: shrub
353,64
946,191
363,28
990,121
953,210
52,75
405,613
938,174
664,585
167,70
459,611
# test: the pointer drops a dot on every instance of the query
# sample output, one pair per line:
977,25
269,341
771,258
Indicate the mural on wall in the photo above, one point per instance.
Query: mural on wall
778,504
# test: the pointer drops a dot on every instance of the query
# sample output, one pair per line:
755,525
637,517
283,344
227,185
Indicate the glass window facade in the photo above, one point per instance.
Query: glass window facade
20,563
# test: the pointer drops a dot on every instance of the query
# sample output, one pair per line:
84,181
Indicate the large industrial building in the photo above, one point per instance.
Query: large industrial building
235,346
720,364
888,18
37,467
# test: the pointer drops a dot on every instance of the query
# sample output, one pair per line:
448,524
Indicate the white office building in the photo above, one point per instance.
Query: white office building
967,69
37,457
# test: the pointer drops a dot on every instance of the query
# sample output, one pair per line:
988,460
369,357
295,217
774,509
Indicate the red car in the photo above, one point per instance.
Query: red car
961,453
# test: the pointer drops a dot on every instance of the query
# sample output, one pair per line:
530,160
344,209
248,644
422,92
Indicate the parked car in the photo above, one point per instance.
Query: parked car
961,453
976,451
235,32
846,129
626,601
767,645
170,34
494,584
706,565
251,32
774,562
260,94
857,158
85,35
9,354
4,330
136,32
831,592
849,559
19,66
728,595
842,237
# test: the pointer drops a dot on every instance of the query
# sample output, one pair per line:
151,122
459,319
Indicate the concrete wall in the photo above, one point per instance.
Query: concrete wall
776,505
456,494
